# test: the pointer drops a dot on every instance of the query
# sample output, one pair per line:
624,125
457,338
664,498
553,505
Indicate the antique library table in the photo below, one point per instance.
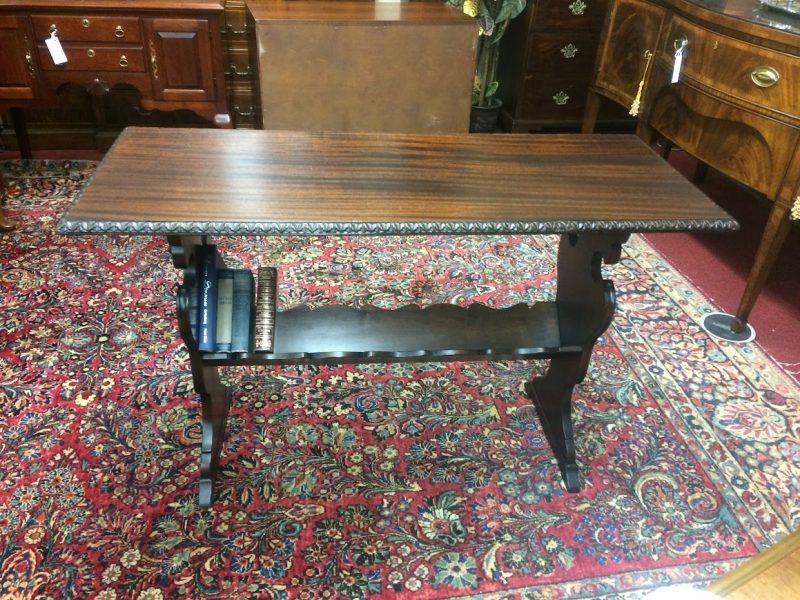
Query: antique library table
594,190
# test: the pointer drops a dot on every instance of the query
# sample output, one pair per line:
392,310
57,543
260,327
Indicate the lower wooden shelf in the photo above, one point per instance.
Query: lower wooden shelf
443,332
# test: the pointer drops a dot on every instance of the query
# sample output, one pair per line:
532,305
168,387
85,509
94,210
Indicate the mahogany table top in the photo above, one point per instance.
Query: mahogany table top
248,182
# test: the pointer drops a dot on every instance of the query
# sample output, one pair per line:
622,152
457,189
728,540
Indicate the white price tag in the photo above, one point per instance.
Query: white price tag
676,69
56,51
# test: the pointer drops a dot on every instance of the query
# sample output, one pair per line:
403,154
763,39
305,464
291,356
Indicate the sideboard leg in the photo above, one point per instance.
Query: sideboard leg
585,304
215,400
4,226
775,233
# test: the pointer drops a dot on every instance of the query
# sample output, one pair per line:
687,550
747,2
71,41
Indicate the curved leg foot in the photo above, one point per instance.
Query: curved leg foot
728,327
552,400
215,402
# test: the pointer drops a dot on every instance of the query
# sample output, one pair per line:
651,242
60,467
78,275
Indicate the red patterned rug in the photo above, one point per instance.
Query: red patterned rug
381,481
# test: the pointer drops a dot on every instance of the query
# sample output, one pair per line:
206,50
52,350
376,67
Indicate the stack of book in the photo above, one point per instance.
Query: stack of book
222,312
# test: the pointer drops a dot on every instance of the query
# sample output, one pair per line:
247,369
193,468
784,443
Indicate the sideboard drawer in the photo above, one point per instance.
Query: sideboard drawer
735,67
95,58
87,28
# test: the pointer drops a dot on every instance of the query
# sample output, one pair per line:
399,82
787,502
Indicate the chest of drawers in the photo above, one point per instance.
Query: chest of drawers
546,63
169,51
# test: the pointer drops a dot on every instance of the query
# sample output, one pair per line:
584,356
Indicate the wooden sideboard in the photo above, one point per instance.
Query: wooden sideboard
735,106
364,66
169,51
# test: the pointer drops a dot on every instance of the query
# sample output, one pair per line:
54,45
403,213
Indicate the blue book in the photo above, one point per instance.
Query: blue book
243,317
192,293
224,309
206,297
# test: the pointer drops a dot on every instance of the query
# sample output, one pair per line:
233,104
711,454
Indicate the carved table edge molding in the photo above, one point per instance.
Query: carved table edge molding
73,227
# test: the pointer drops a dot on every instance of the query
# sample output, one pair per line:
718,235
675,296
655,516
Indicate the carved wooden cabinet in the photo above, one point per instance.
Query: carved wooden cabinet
546,62
735,104
169,51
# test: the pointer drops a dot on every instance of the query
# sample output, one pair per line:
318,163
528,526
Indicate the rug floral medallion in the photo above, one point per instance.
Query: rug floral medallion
375,481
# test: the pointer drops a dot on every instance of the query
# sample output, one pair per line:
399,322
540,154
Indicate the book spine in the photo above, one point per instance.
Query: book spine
265,309
193,312
224,309
207,298
243,313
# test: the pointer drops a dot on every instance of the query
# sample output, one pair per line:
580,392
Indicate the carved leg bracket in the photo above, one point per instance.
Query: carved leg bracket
585,308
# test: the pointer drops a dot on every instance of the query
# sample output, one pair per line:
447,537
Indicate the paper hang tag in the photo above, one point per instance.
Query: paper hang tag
676,69
56,51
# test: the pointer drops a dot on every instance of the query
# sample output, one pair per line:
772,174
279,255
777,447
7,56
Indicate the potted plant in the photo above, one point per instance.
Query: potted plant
493,17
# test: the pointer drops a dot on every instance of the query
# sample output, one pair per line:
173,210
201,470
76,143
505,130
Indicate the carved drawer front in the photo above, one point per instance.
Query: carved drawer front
753,149
87,28
571,14
764,77
95,58
561,53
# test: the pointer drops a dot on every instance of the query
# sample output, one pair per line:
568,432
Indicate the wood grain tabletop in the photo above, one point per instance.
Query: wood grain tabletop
250,182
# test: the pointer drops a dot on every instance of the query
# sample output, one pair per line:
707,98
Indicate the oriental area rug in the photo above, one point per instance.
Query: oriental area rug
423,481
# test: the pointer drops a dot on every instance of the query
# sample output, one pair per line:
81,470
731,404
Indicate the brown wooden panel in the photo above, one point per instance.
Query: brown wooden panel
634,27
371,76
564,53
87,28
180,59
569,13
554,98
753,149
17,60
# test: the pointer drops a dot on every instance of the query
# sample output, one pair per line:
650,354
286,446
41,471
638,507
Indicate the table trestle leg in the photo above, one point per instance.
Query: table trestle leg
585,309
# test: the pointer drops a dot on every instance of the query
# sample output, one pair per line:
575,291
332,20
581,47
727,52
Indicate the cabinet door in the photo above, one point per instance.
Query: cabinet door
628,48
180,60
18,70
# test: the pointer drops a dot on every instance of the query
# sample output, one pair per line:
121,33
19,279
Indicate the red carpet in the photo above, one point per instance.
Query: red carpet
388,481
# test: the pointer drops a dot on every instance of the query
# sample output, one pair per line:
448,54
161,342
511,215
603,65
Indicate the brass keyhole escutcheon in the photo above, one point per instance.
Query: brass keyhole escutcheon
85,22
123,61
90,53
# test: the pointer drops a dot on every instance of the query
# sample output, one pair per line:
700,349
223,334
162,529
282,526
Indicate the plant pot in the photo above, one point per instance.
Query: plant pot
483,119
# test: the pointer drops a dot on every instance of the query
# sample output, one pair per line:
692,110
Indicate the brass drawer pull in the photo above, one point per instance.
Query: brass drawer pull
53,29
569,51
29,56
153,60
561,98
765,77
119,32
577,8
90,53
85,22
123,61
